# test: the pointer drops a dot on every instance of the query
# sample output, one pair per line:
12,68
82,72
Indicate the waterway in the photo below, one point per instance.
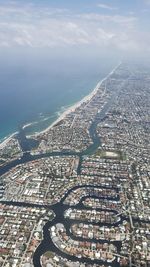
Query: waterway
28,144
59,208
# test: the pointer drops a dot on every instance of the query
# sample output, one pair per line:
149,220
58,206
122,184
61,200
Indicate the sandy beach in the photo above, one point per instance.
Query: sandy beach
7,139
64,114
87,98
69,110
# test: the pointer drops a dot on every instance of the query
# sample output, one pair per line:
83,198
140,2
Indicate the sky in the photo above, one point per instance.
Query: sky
105,26
48,43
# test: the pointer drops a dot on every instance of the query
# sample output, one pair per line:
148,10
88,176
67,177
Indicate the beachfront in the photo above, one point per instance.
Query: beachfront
94,181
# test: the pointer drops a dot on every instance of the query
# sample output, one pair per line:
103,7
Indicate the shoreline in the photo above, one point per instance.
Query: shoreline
73,107
4,142
70,108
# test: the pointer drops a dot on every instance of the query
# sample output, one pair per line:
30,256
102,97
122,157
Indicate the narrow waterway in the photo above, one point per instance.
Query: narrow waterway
28,144
59,208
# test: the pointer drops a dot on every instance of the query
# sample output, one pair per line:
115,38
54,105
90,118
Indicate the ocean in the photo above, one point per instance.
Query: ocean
35,93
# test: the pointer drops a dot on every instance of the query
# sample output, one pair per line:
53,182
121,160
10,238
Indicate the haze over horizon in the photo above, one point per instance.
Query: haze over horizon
114,28
56,51
74,133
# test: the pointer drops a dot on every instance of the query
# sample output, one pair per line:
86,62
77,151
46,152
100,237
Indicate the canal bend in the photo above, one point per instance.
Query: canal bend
59,208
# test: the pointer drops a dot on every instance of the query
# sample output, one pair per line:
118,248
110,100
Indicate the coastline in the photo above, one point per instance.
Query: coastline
76,105
6,140
62,116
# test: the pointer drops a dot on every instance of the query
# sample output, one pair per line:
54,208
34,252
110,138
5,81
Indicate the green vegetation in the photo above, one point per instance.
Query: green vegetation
49,254
114,154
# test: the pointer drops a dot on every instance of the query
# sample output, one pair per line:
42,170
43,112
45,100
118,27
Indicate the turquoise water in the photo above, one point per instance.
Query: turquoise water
39,93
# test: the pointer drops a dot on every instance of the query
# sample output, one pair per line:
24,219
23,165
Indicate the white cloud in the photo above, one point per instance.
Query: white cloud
117,20
34,26
108,7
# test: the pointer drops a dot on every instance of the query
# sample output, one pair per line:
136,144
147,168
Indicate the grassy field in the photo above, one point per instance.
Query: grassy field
114,154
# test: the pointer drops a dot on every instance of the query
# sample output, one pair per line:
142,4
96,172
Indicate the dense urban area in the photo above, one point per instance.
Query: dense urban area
80,197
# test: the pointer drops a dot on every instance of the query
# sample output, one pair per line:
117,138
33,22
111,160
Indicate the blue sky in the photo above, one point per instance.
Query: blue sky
120,25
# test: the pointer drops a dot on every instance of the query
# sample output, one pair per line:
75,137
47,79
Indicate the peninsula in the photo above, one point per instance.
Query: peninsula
80,196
